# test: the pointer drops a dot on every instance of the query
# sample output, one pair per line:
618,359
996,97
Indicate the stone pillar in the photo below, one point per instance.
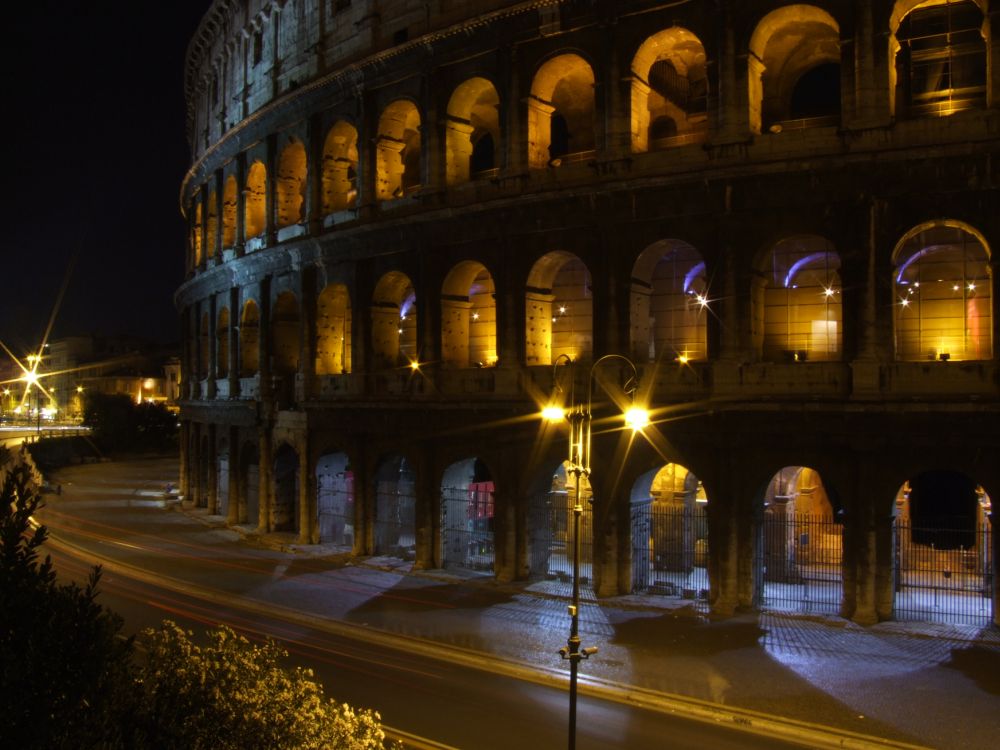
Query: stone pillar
455,331
505,522
219,190
723,553
732,93
458,150
512,112
203,229
538,135
271,192
885,563
993,40
427,514
265,494
183,480
636,94
388,168
212,472
308,511
363,500
241,203
538,327
234,342
212,366
866,79
197,491
264,339
314,172
235,478
307,333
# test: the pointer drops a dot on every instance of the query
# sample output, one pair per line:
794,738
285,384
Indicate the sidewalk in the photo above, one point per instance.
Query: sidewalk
927,685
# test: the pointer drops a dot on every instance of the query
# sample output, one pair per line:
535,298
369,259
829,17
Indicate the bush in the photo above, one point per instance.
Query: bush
117,423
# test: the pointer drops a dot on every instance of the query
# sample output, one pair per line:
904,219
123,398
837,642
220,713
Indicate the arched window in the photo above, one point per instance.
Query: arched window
794,69
333,331
256,194
230,203
291,187
468,317
940,57
394,321
285,334
797,303
196,234
249,339
340,168
473,130
561,112
222,344
559,310
669,305
398,151
669,91
942,283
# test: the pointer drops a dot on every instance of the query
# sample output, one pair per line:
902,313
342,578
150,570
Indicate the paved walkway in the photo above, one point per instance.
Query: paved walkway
927,685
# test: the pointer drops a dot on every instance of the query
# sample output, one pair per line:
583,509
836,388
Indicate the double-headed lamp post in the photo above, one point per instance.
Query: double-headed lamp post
579,418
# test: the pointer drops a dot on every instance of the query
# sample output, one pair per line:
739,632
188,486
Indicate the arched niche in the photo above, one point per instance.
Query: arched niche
212,225
196,234
561,111
340,168
222,344
256,200
249,339
472,134
394,321
230,204
290,190
285,334
333,330
468,317
559,310
397,147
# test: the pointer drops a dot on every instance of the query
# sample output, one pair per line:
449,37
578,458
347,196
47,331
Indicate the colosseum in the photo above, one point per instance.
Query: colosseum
414,225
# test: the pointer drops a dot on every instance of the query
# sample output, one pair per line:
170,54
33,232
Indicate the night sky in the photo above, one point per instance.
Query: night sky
95,151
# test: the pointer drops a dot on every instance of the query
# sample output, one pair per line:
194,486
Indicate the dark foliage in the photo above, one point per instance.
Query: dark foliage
120,425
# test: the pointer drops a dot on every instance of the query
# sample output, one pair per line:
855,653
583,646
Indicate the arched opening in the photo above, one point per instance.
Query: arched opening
249,340
941,57
222,344
468,317
550,528
333,330
196,234
799,566
230,204
398,151
290,192
394,321
559,310
255,201
204,348
395,510
285,334
212,225
340,168
335,500
797,302
669,304
472,130
669,91
792,49
467,516
943,303
944,566
222,478
670,534
285,513
249,512
561,112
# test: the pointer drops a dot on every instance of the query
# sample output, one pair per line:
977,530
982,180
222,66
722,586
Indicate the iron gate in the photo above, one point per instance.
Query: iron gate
551,538
335,506
670,550
799,562
467,527
943,571
395,521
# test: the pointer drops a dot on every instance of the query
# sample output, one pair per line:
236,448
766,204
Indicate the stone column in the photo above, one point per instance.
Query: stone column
219,190
264,339
265,494
458,150
427,513
723,553
234,342
270,192
203,229
235,478
212,366
184,479
197,491
314,172
539,116
307,334
308,518
241,204
455,331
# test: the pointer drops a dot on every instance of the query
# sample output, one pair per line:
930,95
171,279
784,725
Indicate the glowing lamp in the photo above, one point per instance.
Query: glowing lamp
414,365
636,418
553,413
30,377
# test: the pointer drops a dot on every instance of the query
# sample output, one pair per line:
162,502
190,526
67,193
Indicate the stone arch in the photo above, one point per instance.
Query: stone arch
222,343
943,307
285,510
333,330
467,516
230,205
669,529
335,500
249,489
212,225
395,528
791,47
398,150
559,309
669,90
204,347
939,55
561,115
340,168
552,494
394,321
472,130
255,196
468,317
290,190
249,339
669,303
285,334
797,305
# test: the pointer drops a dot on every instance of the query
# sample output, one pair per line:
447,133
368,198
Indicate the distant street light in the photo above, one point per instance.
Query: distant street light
580,417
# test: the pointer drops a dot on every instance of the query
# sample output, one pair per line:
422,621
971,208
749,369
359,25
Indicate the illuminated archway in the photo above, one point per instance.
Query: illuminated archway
468,317
943,304
196,234
794,67
473,130
249,339
285,511
335,500
230,204
340,168
285,334
797,301
394,321
212,225
669,90
552,496
222,344
290,189
669,304
561,111
467,517
204,349
333,331
255,201
559,310
397,150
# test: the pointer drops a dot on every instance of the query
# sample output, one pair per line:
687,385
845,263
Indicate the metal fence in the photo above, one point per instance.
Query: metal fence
335,507
670,550
944,571
395,520
467,527
799,562
551,539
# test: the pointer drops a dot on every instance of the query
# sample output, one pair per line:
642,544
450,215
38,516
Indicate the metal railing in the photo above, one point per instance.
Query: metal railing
467,527
395,521
800,562
669,550
551,539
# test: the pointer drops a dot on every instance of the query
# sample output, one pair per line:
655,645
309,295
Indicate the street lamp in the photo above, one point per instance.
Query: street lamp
580,418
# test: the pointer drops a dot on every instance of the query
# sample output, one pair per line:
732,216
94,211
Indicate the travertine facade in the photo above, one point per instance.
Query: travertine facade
403,214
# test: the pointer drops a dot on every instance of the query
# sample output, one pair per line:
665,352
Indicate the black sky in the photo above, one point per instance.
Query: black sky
96,149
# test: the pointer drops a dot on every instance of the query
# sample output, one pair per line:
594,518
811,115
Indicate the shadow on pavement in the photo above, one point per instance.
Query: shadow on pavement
980,664
688,635
404,597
